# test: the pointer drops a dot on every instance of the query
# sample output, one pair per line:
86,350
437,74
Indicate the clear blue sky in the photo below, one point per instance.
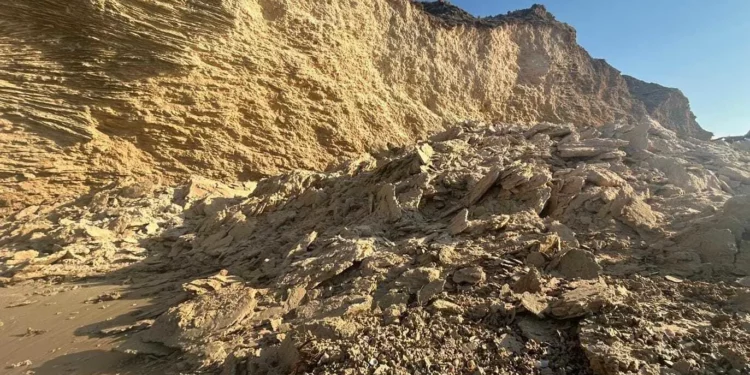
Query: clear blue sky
701,47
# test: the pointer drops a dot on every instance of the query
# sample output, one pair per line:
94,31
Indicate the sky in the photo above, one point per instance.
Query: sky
698,46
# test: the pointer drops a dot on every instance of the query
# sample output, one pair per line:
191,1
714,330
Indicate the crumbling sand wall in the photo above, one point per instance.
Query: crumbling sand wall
91,91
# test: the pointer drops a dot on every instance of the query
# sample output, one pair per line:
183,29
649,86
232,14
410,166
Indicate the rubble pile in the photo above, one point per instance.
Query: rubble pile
486,249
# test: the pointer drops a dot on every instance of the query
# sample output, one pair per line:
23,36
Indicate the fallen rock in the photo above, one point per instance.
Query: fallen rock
586,297
579,264
20,257
530,282
469,275
481,188
534,303
459,223
446,307
416,279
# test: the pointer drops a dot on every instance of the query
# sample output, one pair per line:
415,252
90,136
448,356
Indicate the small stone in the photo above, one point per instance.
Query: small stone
534,304
579,264
415,279
536,259
425,152
530,282
469,275
444,306
429,291
721,320
22,257
34,332
275,324
151,228
744,281
20,364
510,343
21,303
682,366
585,297
459,223
673,279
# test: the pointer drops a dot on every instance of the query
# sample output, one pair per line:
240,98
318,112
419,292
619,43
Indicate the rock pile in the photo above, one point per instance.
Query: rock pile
487,249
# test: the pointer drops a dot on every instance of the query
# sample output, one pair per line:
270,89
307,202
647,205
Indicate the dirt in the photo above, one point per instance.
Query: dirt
60,332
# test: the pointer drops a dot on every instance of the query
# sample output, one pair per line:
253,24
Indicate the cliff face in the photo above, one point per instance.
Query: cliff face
92,90
668,106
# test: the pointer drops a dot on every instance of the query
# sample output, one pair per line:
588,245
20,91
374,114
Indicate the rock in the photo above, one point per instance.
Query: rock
536,259
481,188
736,359
539,330
510,343
25,363
603,177
682,366
138,326
425,152
735,174
534,303
716,246
673,279
447,307
386,203
459,223
530,282
346,306
549,245
26,212
429,291
139,189
589,148
23,256
586,297
97,233
451,133
566,235
469,275
741,301
151,228
415,279
579,264
327,262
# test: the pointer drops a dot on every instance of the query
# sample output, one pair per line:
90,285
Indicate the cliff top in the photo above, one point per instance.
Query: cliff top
452,15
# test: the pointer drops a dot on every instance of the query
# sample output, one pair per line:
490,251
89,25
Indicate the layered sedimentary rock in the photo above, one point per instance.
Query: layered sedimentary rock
92,91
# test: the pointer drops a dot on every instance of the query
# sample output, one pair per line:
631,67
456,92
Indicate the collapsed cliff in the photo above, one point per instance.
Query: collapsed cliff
486,249
93,91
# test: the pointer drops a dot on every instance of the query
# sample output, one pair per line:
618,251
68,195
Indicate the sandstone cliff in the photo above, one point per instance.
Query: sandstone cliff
92,91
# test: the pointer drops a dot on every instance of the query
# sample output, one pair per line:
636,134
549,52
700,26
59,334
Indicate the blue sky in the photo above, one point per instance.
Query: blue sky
701,47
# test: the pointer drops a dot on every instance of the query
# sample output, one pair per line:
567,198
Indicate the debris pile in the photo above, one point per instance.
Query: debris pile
487,249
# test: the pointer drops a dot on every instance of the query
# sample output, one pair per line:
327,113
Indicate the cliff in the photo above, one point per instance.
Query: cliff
668,106
92,91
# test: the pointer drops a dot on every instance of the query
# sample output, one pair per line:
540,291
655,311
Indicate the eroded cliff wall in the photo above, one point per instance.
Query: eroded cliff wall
92,91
